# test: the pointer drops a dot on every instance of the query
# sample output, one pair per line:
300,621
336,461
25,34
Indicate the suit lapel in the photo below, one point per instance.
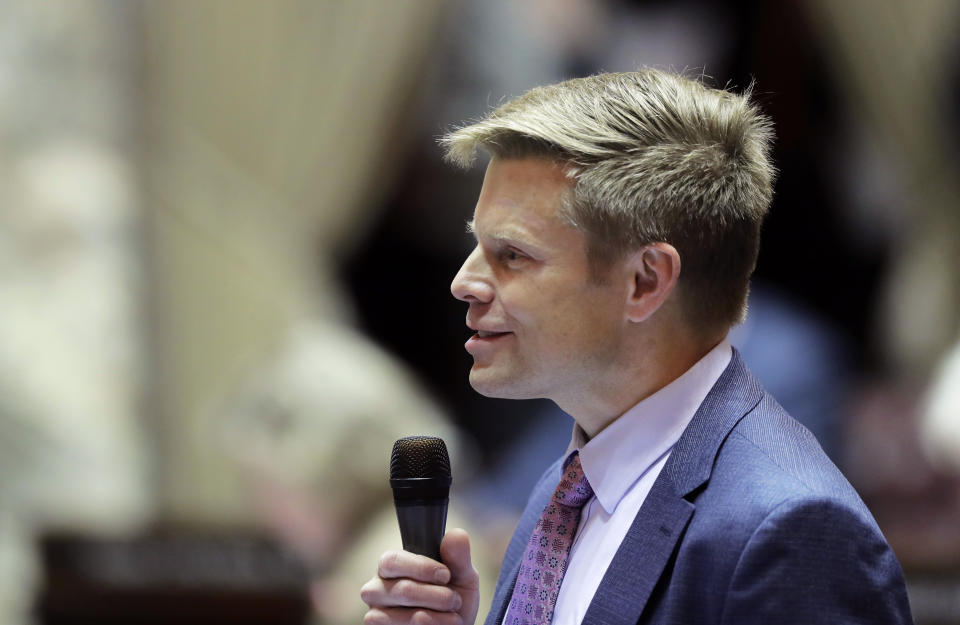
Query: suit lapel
498,608
518,543
652,538
629,580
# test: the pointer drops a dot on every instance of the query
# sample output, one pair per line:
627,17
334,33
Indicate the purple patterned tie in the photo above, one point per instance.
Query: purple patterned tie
545,559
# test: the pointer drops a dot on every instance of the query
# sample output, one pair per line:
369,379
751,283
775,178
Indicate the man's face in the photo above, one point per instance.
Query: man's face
542,327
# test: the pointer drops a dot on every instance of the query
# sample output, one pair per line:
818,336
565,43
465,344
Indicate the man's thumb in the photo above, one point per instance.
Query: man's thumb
455,553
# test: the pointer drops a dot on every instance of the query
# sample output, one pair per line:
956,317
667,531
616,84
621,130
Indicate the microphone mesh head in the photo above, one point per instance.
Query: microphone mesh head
419,456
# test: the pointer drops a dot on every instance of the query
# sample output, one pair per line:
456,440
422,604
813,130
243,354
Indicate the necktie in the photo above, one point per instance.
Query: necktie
545,559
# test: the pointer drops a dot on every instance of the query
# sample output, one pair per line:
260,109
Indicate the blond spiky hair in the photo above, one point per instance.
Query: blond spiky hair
655,157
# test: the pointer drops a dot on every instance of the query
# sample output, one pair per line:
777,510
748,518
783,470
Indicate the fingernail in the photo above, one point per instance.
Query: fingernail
457,601
442,576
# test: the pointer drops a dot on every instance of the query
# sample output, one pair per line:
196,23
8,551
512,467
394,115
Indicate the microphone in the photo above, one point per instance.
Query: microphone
420,479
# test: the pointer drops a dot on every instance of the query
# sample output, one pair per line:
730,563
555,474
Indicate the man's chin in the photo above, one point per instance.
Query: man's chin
501,386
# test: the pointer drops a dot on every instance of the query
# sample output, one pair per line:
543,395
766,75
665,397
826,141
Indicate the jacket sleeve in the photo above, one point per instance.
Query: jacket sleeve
817,561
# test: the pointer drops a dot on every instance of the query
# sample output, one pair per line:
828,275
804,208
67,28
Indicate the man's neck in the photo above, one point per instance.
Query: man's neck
662,363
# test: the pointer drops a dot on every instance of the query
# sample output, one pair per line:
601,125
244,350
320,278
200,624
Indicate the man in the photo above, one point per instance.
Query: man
617,228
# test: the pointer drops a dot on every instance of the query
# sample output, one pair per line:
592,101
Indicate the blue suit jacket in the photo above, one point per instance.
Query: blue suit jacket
749,522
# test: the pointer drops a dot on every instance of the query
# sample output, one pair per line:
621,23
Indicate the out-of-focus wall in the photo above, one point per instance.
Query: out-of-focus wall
270,130
895,61
177,180
73,451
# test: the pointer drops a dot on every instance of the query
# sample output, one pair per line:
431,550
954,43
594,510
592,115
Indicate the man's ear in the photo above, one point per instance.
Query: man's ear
653,273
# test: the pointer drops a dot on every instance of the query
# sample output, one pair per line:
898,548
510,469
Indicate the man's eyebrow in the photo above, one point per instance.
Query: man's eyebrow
508,236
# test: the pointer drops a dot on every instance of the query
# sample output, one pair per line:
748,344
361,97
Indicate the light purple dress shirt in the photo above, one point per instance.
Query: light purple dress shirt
621,463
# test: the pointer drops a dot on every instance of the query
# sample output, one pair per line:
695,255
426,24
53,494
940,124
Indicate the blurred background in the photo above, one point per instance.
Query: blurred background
226,241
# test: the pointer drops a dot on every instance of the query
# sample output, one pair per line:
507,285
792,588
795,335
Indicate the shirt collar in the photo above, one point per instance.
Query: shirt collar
626,449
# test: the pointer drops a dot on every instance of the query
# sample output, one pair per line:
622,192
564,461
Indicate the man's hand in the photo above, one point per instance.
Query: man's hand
414,589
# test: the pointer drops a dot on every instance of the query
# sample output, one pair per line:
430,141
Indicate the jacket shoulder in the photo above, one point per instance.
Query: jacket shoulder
816,559
768,449
777,514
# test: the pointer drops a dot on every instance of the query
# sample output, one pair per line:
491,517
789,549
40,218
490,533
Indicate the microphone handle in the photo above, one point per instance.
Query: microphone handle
422,525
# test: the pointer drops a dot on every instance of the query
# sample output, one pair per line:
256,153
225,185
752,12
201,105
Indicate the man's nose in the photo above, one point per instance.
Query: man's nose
472,283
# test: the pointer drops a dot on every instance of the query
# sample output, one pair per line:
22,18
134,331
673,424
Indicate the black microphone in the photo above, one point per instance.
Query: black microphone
420,478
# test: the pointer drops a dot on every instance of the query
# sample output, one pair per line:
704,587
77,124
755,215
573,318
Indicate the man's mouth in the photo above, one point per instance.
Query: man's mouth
482,340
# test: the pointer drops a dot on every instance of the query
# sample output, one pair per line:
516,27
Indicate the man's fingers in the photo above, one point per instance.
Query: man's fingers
455,552
395,564
413,616
414,589
385,593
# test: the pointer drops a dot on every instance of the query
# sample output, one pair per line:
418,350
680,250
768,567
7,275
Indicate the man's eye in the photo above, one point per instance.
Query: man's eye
510,255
